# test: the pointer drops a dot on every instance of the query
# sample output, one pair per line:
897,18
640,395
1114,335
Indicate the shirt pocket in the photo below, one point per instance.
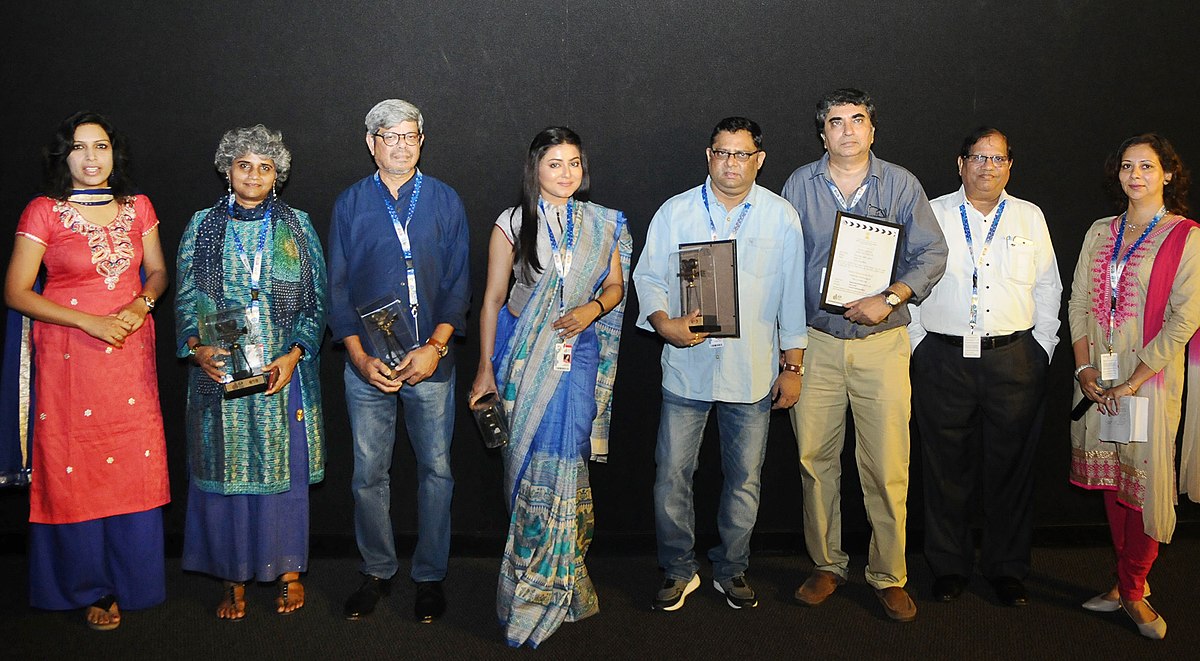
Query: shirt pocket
760,258
1020,260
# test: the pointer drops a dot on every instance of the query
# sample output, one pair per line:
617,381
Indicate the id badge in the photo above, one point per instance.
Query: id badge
1108,366
716,342
972,346
562,356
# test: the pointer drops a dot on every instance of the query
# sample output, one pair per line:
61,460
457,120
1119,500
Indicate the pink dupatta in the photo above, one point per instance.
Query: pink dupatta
1158,514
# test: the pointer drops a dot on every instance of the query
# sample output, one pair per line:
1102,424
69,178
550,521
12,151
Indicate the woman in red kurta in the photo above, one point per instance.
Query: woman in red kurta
99,458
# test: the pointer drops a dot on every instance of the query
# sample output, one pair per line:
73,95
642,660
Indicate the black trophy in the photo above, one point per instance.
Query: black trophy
384,320
707,281
390,329
691,277
489,417
231,331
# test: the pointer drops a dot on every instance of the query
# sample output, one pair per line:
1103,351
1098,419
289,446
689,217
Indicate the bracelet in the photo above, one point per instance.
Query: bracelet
792,367
597,301
150,301
1132,390
1079,370
192,349
297,345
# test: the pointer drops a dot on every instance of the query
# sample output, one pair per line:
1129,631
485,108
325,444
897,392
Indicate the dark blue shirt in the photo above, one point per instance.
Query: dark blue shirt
366,262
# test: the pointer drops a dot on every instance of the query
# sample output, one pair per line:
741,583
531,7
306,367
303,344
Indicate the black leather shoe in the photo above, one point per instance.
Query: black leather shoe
430,602
362,602
1010,591
949,587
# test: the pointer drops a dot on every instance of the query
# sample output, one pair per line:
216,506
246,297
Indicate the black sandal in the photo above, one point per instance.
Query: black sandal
231,592
283,600
105,604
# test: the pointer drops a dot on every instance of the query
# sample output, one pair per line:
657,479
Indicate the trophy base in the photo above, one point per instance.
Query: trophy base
248,386
708,324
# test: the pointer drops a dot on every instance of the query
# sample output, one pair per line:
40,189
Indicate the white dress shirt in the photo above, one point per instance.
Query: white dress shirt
1019,284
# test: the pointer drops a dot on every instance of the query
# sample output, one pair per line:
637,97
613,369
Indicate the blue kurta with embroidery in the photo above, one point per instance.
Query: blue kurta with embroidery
240,446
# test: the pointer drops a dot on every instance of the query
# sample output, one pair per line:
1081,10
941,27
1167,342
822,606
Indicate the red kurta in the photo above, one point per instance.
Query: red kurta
98,444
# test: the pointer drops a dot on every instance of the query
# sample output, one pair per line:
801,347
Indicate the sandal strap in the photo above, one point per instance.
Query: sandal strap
104,603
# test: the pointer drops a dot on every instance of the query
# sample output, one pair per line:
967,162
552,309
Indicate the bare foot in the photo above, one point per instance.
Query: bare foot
1139,611
291,593
100,618
233,606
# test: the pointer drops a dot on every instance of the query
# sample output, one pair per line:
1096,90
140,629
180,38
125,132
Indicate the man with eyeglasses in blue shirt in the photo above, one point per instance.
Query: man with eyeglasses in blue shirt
982,343
399,235
860,357
740,377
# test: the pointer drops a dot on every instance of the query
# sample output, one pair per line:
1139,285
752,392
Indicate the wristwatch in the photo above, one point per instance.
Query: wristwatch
891,298
441,348
792,367
150,301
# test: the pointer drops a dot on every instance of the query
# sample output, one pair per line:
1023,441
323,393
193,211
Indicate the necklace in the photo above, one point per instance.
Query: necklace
91,197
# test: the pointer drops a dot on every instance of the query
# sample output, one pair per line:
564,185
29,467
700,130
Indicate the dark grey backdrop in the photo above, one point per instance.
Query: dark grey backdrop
643,83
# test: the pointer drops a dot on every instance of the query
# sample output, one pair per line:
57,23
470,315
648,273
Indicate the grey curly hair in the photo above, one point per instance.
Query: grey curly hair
258,140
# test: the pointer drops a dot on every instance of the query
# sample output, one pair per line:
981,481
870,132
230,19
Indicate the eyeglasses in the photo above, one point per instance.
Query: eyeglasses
998,160
392,139
741,156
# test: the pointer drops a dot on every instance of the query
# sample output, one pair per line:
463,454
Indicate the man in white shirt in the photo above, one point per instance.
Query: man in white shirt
982,343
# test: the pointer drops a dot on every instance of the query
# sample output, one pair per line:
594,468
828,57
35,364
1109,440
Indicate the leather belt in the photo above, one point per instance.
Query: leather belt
987,342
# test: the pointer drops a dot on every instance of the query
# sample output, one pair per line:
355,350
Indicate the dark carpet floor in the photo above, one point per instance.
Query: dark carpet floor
851,625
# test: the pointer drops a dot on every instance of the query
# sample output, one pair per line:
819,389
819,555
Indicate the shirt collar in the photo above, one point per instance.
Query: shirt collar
960,198
751,197
874,168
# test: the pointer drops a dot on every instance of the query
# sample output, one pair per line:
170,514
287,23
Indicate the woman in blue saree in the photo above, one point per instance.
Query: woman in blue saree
549,351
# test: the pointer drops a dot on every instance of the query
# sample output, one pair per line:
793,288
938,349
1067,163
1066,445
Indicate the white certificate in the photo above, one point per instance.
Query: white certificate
1131,425
862,260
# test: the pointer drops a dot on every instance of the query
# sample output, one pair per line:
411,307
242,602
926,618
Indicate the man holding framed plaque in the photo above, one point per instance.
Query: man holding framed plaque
743,245
871,243
398,290
982,344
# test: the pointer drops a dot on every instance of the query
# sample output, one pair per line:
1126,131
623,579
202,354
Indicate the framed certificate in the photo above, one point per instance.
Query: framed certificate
707,281
862,260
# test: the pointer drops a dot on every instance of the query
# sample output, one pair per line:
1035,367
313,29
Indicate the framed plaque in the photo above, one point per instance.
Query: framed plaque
862,260
390,328
237,331
708,281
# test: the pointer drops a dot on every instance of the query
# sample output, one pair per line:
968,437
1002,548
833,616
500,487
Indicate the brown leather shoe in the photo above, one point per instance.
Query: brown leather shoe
817,587
898,605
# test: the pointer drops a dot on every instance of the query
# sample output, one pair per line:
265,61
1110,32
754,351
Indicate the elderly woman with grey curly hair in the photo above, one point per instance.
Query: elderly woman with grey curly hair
251,456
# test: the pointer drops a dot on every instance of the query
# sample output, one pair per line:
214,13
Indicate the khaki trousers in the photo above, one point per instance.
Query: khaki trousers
870,374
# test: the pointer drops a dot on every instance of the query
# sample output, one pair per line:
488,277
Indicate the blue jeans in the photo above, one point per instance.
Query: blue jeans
429,419
743,434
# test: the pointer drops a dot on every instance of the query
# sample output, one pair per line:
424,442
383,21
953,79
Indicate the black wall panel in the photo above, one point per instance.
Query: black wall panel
643,83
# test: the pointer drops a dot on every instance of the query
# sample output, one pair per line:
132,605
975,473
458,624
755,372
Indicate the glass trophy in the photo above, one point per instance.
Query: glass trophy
237,331
707,281
390,328
489,417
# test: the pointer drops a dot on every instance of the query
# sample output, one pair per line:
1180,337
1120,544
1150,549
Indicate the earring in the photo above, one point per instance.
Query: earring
228,186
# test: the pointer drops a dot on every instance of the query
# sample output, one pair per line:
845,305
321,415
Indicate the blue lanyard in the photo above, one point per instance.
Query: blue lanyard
837,193
1116,267
255,269
405,242
562,260
712,227
987,244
